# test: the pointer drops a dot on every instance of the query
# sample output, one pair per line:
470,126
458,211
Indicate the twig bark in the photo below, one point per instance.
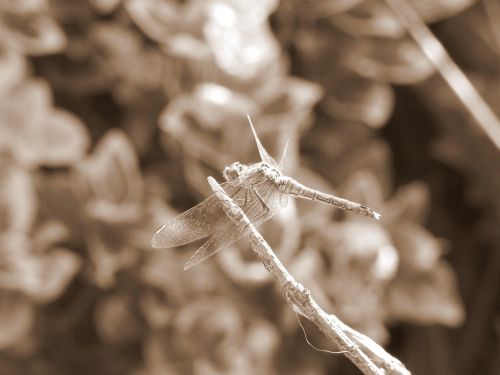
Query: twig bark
368,356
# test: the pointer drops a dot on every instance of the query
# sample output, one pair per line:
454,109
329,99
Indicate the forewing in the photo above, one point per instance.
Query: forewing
198,222
219,240
283,198
254,207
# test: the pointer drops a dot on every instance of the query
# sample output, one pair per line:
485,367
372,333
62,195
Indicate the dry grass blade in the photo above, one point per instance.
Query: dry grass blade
370,362
492,10
448,69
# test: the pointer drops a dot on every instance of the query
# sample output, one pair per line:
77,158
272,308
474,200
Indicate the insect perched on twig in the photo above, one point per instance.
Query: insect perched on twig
260,189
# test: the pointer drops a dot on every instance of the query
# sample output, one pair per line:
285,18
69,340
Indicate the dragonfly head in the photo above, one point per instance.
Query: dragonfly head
234,171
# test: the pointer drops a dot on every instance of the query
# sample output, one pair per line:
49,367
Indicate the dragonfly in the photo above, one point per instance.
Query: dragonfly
260,189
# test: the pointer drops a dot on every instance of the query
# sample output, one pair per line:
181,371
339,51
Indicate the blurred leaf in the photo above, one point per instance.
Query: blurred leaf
348,97
411,202
371,155
418,249
225,43
126,61
55,271
13,69
157,360
115,320
242,45
363,187
16,318
64,141
105,6
18,202
164,20
360,100
325,8
43,135
22,6
210,107
375,18
371,18
33,34
155,309
426,298
163,271
38,268
400,62
109,180
226,341
107,261
432,11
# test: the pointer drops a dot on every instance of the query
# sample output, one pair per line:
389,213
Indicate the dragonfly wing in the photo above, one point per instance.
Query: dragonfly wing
263,204
283,200
198,222
254,206
219,240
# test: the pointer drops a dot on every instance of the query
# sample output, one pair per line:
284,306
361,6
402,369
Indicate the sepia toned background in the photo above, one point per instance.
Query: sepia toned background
114,112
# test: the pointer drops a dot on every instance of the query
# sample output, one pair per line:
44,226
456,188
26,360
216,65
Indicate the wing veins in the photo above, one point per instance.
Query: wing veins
198,222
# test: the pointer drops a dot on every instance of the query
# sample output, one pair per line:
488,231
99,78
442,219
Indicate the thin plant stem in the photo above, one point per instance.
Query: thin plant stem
368,356
449,70
492,10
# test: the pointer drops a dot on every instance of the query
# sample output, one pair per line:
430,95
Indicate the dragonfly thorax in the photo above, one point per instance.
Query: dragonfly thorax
257,173
269,171
233,173
260,174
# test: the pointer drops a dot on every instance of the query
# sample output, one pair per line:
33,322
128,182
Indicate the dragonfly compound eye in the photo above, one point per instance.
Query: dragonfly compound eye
231,173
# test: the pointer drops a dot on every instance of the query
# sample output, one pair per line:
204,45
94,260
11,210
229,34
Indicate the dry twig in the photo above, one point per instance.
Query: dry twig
368,356
449,70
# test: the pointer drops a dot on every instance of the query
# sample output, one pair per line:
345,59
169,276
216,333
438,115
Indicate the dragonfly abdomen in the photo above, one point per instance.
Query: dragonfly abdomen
288,185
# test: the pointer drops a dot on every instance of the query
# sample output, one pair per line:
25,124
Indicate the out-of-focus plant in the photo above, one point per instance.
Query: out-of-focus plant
34,269
36,266
229,340
371,52
25,27
117,216
114,112
43,135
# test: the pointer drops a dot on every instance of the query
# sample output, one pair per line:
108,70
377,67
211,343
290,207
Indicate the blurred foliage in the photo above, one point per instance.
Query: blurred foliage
114,112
